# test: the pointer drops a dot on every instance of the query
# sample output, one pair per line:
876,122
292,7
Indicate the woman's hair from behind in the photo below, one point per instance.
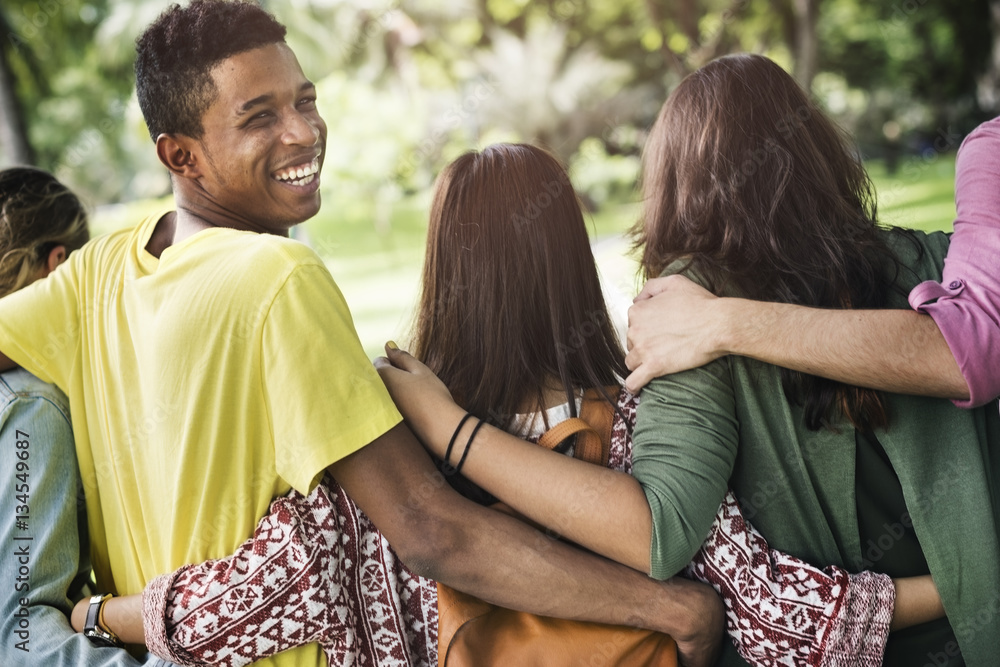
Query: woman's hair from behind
511,296
749,184
37,213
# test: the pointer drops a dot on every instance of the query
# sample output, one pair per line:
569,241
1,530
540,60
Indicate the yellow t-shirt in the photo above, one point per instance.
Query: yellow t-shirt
202,384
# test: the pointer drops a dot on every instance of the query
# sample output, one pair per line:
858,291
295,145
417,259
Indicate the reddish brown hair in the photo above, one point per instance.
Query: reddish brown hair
511,297
753,188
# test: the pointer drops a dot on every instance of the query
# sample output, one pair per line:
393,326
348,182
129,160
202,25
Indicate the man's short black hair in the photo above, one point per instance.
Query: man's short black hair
176,53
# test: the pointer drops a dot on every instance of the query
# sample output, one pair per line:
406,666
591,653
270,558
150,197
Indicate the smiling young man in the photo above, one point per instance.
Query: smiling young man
212,363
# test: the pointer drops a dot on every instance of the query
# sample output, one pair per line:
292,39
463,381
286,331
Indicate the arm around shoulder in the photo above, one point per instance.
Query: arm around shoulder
676,325
899,351
444,536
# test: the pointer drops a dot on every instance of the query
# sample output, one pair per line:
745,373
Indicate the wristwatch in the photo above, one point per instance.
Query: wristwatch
94,628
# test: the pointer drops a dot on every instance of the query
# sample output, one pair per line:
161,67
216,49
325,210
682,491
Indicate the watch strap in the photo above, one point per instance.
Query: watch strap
94,628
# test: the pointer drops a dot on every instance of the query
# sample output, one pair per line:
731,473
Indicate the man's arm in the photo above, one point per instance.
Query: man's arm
443,536
676,325
554,490
965,304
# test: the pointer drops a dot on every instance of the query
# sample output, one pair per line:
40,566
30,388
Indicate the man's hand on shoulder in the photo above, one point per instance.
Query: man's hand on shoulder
674,325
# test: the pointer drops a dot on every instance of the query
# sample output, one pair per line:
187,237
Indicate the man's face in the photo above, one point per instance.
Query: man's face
263,141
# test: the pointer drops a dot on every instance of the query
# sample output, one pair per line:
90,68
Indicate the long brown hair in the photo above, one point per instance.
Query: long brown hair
752,187
37,213
511,297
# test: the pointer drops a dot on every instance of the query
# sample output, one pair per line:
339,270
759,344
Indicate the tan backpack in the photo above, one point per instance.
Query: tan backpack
474,633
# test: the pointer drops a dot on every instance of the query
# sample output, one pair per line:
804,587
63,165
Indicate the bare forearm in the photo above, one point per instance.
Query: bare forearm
600,509
917,601
894,350
517,567
121,615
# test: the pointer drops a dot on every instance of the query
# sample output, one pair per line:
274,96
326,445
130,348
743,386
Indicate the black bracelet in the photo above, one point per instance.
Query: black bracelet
468,445
454,437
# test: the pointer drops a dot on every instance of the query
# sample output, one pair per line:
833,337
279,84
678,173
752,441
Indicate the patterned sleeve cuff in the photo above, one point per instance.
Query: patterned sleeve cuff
154,611
781,610
858,636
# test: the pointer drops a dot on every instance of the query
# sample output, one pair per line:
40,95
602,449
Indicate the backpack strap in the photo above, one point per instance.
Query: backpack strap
600,414
564,430
592,429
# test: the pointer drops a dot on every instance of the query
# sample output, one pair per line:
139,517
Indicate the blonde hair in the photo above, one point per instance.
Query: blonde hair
37,213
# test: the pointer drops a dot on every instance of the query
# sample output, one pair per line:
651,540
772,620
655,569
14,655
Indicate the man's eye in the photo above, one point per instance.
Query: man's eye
307,102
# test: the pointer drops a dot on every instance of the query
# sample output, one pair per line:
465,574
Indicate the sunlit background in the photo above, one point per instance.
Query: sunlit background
407,86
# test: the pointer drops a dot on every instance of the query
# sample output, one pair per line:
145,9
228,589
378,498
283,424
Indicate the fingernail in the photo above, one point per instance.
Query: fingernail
392,345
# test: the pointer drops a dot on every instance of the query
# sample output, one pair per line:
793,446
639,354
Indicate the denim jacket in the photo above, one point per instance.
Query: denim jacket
44,560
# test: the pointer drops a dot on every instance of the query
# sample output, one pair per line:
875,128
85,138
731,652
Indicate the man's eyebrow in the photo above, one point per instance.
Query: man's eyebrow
260,99
267,97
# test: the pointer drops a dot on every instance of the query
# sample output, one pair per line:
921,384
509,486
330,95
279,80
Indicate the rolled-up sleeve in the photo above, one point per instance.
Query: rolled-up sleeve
966,303
685,443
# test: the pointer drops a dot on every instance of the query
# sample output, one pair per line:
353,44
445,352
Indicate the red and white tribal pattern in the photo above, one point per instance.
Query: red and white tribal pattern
779,609
620,452
783,611
315,570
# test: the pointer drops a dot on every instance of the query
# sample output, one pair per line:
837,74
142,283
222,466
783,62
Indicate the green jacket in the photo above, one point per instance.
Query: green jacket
728,423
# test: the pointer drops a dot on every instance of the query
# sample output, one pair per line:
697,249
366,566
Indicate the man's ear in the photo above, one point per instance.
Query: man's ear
176,153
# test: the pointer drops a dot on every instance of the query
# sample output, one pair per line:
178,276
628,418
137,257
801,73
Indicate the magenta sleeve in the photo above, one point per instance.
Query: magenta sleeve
966,303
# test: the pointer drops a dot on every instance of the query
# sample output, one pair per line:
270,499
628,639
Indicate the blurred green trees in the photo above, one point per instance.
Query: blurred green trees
406,85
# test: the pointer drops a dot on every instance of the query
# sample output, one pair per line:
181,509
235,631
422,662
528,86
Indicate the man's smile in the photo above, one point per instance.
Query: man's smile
300,175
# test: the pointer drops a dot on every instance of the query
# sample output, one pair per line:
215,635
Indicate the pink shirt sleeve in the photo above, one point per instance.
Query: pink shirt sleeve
966,303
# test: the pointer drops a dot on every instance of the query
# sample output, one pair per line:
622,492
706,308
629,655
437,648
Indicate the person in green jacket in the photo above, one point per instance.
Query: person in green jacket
751,191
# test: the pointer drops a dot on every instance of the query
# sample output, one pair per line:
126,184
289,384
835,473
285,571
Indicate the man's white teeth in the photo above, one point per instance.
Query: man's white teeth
299,175
304,181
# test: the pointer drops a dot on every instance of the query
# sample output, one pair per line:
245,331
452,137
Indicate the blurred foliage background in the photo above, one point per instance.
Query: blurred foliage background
407,85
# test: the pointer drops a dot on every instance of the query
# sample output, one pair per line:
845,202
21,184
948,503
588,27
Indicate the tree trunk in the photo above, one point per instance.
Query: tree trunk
989,82
806,41
14,145
687,18
671,59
